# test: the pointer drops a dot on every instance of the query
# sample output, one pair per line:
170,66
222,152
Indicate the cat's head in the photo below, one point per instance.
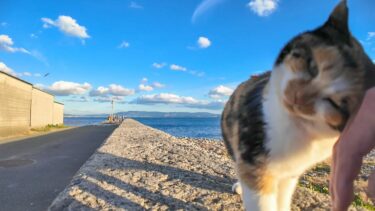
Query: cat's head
321,73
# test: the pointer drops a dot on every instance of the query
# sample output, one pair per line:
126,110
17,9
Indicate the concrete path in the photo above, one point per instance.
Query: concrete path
33,171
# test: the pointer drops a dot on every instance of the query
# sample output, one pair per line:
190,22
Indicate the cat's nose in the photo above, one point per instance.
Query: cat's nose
299,98
300,92
294,99
303,97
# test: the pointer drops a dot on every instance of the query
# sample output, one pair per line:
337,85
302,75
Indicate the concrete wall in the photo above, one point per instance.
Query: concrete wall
41,108
15,105
58,113
23,107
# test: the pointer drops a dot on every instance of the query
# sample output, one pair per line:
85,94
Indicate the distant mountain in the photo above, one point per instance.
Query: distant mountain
155,114
86,115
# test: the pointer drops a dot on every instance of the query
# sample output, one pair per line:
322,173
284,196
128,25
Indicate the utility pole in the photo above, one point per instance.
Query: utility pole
113,107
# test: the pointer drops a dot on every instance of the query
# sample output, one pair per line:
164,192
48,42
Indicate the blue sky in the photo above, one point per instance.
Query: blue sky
156,55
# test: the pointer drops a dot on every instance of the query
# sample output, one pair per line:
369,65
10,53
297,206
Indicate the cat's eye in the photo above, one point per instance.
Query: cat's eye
312,68
333,103
345,103
296,54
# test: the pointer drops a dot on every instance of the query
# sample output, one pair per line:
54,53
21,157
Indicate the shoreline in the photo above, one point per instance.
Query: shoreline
139,167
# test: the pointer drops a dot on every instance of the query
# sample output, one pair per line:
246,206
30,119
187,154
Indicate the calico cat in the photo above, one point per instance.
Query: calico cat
280,123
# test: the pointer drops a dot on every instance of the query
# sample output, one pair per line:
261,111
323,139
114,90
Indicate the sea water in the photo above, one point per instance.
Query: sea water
179,127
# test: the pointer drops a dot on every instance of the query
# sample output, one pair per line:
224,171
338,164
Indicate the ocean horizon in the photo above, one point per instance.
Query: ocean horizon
208,127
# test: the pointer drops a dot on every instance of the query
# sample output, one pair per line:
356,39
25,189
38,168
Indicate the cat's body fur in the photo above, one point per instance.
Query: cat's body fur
276,126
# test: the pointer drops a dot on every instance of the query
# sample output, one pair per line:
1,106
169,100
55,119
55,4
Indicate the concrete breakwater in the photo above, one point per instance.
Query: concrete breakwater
139,167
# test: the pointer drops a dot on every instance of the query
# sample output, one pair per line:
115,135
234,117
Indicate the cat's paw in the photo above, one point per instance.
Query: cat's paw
236,188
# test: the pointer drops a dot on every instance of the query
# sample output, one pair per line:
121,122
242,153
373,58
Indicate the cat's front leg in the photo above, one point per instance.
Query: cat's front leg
254,200
286,188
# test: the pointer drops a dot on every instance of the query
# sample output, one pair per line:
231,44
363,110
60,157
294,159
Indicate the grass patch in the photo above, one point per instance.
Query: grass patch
49,128
318,188
320,173
322,167
358,202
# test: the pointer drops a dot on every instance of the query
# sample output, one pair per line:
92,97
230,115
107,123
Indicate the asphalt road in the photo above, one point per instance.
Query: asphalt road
34,170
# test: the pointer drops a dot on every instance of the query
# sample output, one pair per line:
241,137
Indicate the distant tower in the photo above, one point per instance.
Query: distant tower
113,107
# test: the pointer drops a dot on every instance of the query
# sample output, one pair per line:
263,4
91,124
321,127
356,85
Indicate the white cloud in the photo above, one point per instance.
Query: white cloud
65,88
204,42
33,36
167,98
220,92
197,73
107,99
144,80
27,74
177,68
118,90
3,24
37,75
47,23
370,35
79,99
204,7
113,89
159,65
146,88
158,85
39,56
6,69
6,44
124,44
67,25
184,69
135,5
100,91
263,7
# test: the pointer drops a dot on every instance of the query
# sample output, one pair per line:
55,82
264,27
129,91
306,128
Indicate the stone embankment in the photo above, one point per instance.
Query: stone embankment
139,167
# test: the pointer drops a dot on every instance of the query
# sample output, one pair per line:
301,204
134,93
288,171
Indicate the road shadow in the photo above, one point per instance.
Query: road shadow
195,179
119,194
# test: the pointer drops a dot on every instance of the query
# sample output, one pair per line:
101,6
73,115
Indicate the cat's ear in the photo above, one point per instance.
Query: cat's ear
339,19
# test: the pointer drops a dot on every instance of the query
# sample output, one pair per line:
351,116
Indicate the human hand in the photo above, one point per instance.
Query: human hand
371,187
357,140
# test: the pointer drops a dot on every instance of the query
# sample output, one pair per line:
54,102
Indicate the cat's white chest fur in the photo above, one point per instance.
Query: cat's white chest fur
294,144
